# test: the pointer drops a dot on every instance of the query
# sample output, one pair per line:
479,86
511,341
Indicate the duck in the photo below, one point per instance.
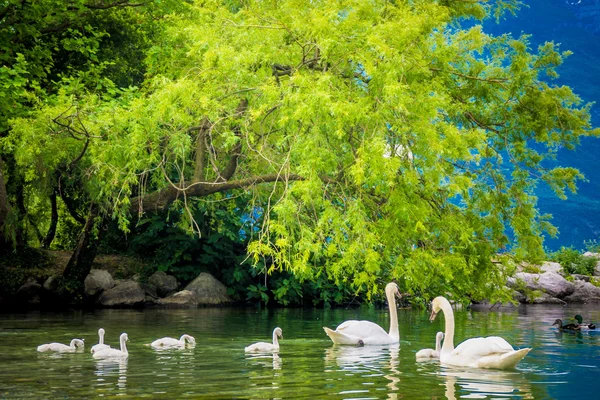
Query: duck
111,353
579,320
75,345
567,327
100,345
168,342
263,347
490,352
351,332
431,353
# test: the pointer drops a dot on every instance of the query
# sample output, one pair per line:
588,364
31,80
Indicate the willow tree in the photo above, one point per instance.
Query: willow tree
383,140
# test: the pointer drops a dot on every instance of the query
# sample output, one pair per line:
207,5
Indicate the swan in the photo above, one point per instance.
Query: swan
100,345
350,332
431,353
114,353
263,347
167,342
488,352
75,345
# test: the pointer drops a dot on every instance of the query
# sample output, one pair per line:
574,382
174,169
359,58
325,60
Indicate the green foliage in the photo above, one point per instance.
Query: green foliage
377,138
573,261
592,246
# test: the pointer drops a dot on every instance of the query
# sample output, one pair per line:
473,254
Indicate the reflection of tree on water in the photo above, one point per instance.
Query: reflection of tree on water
371,361
106,369
480,383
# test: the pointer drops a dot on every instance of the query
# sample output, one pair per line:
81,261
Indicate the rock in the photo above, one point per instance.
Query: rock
97,281
164,284
182,299
584,293
30,293
209,290
125,294
545,298
520,297
50,284
580,277
549,266
548,282
149,289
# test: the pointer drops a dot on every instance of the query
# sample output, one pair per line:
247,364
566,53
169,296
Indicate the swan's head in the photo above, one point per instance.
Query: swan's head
439,336
190,339
392,289
101,332
579,319
277,331
436,306
124,337
78,343
557,322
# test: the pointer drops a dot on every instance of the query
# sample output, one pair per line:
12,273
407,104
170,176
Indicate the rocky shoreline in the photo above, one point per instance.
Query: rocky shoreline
545,284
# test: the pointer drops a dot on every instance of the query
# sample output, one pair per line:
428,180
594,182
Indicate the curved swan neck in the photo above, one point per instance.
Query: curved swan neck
275,341
123,344
394,333
438,342
182,339
449,330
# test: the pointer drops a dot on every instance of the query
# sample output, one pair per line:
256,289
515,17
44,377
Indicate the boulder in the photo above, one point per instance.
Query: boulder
545,298
580,277
125,294
50,284
30,293
164,284
548,282
182,299
97,281
584,293
149,289
209,290
549,266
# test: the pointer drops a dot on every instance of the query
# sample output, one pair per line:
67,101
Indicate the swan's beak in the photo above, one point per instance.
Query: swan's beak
433,315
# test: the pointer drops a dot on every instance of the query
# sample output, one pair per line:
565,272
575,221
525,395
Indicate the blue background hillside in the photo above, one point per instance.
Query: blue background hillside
575,24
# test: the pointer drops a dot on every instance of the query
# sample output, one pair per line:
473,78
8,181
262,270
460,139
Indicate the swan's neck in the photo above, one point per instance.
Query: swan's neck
275,341
448,346
101,337
438,343
394,333
182,339
123,345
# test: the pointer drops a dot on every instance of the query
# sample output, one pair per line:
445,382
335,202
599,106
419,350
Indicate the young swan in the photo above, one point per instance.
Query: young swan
350,332
114,353
262,347
167,342
100,345
62,348
426,354
489,352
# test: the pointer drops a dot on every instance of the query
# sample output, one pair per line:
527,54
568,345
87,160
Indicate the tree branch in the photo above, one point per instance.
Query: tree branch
236,151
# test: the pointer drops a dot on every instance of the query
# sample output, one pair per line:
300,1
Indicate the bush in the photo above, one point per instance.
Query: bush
573,261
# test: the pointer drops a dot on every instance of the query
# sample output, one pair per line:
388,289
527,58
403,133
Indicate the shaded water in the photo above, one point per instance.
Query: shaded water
561,365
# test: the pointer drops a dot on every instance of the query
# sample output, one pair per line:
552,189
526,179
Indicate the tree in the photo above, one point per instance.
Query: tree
383,141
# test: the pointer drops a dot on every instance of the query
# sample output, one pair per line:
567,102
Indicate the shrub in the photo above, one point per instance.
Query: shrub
573,262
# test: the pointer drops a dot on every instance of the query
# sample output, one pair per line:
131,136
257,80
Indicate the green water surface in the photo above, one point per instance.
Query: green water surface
561,365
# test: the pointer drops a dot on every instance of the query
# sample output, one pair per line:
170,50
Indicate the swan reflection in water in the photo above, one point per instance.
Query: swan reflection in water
484,383
108,368
370,360
266,360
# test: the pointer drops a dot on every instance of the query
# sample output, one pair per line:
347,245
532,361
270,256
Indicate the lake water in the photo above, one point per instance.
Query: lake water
560,366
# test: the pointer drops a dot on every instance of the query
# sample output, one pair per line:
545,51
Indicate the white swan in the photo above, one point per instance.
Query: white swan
167,342
350,332
100,345
75,345
263,347
431,353
114,353
489,352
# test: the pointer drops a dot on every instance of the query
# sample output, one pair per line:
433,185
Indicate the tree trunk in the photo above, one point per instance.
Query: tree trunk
80,264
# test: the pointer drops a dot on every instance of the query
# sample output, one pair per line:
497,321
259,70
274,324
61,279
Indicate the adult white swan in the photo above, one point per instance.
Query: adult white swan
350,332
100,345
75,345
168,342
263,347
488,352
427,354
114,353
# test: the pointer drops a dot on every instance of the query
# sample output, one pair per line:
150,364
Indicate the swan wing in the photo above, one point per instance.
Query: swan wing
261,347
165,342
99,347
481,347
110,353
350,332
